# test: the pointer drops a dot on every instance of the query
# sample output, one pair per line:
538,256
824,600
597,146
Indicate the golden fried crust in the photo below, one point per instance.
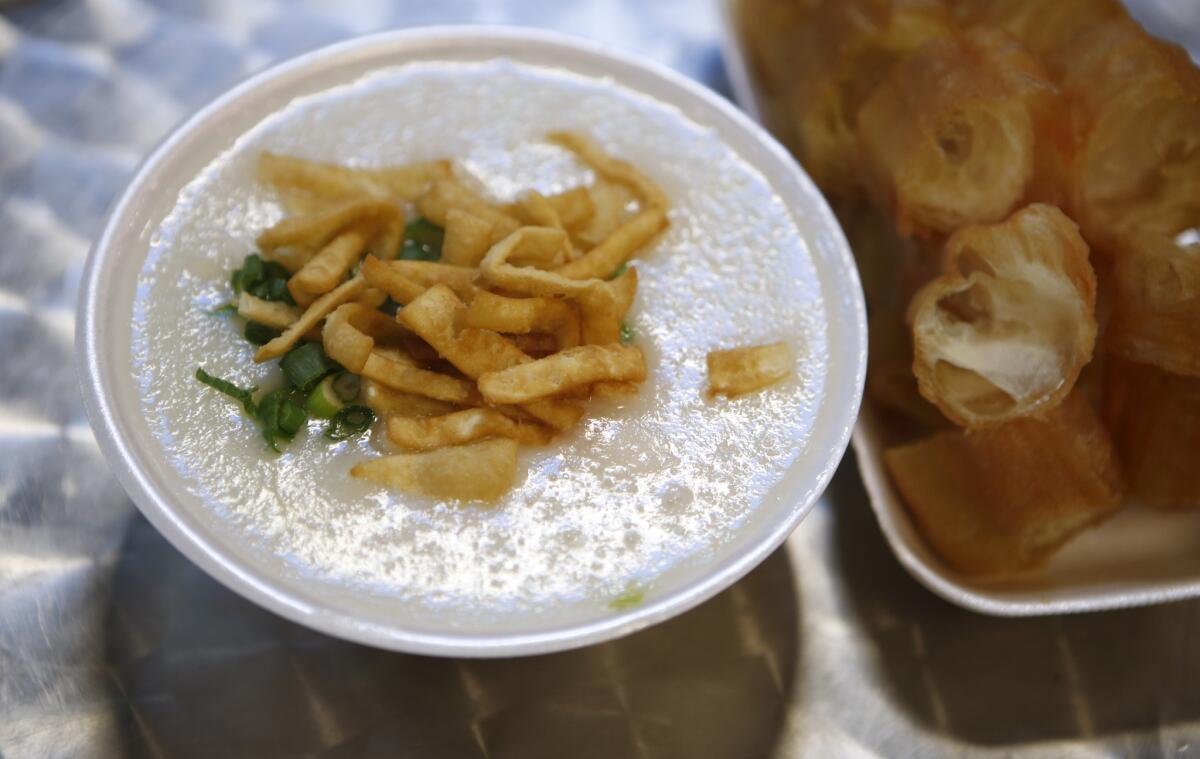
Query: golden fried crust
1155,419
1005,332
1156,303
1002,500
1136,103
950,137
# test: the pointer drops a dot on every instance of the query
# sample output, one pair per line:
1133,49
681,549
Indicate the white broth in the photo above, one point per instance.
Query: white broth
644,485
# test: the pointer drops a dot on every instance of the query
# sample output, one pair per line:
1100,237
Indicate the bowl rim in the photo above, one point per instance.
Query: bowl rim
235,574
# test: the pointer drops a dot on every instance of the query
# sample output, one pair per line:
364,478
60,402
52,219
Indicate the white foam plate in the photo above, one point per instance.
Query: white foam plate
1138,557
674,495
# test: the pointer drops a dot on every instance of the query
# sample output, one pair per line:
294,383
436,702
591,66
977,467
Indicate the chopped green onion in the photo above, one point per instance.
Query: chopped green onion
390,307
350,422
260,334
304,365
619,271
268,416
228,388
292,417
277,289
275,270
627,333
346,386
249,275
225,310
323,401
422,241
630,598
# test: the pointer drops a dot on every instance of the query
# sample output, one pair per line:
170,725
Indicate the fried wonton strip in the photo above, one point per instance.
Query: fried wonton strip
1156,302
536,344
563,371
329,267
614,389
324,179
315,230
409,182
474,352
372,297
1003,499
744,370
461,427
611,203
269,313
434,317
1155,419
407,378
405,280
573,207
385,401
350,333
399,288
542,247
385,244
1007,330
602,260
560,414
538,212
312,316
460,279
611,168
495,269
949,140
481,471
447,194
468,238
520,316
290,257
343,341
328,180
602,308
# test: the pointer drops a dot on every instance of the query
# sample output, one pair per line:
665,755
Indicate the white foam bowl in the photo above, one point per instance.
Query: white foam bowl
170,501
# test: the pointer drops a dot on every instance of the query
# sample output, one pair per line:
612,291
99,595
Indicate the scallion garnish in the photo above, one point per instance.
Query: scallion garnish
422,241
390,307
305,365
225,310
277,290
619,271
275,270
627,333
249,275
260,334
268,417
228,388
323,402
346,386
292,417
350,422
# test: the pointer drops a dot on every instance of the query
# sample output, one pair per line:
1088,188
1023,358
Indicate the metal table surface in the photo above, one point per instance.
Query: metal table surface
112,644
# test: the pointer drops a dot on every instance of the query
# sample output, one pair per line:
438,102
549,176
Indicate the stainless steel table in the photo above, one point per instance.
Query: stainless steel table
112,644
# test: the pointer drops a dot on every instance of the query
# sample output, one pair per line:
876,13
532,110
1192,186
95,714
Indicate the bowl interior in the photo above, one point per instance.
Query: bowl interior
140,248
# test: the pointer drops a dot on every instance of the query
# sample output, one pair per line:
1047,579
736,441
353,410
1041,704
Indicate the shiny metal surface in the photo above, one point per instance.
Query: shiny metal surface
112,644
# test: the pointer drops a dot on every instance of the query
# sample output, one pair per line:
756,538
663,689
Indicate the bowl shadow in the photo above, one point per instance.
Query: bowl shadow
1003,681
201,672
